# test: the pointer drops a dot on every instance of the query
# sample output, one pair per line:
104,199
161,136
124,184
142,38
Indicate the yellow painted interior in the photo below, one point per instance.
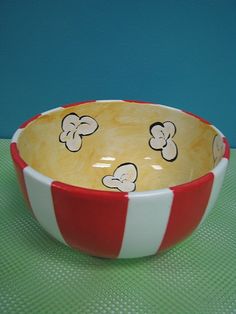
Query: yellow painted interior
122,136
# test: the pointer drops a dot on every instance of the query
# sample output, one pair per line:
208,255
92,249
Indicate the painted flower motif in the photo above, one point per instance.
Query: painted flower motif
123,178
218,149
162,139
74,128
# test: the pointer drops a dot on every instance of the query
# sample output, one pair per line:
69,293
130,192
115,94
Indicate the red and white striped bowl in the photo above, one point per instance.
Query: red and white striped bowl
117,224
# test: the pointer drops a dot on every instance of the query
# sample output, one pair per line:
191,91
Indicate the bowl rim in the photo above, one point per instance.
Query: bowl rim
97,192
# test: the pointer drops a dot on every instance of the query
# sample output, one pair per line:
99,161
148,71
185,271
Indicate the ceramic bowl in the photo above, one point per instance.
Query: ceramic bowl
119,179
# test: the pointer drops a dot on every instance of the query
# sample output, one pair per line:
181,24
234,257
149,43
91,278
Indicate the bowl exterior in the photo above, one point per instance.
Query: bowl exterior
118,224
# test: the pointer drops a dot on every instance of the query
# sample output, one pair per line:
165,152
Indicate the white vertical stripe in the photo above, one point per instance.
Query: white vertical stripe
170,108
107,100
219,174
51,110
146,222
16,136
40,197
218,131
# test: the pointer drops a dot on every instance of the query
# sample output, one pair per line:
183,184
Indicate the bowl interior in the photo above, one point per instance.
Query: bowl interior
120,146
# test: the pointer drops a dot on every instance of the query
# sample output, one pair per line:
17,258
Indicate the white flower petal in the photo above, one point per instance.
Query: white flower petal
126,186
87,125
169,152
110,181
63,136
73,141
169,129
157,143
126,172
70,122
156,129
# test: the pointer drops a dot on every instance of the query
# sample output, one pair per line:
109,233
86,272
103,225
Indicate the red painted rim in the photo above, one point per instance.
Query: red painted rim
68,187
196,116
78,103
23,125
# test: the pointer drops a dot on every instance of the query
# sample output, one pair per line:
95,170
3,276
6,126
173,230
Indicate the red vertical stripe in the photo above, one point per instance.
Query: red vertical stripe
91,221
19,167
189,204
227,148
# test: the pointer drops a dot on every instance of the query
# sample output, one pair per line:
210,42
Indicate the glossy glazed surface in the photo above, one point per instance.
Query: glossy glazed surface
120,146
137,221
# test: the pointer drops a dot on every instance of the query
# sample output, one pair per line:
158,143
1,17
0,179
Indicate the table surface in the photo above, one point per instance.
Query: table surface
40,275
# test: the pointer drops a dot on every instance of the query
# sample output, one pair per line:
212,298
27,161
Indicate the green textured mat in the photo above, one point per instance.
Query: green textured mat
40,275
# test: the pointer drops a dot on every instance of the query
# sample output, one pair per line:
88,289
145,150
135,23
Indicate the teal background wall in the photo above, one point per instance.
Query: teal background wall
179,53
